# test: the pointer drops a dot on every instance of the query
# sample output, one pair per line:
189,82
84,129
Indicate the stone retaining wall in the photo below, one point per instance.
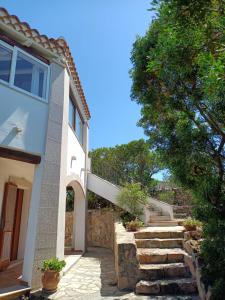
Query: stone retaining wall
126,262
69,228
100,228
191,246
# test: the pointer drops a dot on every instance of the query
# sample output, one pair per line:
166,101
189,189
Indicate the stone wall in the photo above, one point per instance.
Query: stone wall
100,228
69,229
191,245
126,262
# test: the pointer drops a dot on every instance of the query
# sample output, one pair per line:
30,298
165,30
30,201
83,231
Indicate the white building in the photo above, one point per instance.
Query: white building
43,147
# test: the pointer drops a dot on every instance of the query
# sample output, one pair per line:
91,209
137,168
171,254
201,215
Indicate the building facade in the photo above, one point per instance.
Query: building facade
43,147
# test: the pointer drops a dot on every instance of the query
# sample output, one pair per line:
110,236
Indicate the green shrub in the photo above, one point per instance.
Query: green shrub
167,196
126,217
131,198
192,222
53,264
69,200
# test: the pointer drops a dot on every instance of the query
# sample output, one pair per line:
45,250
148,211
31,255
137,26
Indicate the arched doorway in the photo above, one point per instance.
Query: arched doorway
75,221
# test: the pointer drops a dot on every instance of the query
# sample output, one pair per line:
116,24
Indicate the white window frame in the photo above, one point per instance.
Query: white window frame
15,50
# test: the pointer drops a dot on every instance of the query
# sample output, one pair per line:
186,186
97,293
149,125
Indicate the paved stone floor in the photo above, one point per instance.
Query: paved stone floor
93,278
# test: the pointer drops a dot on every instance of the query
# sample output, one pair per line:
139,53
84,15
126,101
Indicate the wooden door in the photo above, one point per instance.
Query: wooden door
16,225
7,223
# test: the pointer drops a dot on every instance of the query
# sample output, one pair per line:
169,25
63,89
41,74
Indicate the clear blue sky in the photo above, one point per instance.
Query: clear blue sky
100,34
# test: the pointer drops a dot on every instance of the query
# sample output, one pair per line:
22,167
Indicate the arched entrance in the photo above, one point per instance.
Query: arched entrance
76,204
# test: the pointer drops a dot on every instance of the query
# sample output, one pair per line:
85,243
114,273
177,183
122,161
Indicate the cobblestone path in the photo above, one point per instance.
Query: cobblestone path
93,278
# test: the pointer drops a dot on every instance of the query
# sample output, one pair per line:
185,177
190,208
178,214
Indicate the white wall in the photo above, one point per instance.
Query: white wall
25,112
24,223
76,150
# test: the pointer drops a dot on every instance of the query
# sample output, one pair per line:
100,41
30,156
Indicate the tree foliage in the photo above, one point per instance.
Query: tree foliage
179,79
132,162
132,198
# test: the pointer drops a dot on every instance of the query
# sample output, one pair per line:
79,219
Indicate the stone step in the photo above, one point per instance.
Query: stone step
169,297
181,209
154,213
160,256
180,215
159,218
14,292
159,243
160,232
184,286
163,223
162,271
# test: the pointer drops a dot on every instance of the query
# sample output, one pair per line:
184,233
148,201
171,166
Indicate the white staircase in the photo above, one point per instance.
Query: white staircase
103,188
157,213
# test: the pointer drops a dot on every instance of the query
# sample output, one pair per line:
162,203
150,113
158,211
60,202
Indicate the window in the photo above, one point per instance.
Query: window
23,71
72,114
30,75
5,63
75,121
79,127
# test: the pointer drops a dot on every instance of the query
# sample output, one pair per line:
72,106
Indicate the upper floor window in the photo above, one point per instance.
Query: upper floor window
23,71
5,63
75,121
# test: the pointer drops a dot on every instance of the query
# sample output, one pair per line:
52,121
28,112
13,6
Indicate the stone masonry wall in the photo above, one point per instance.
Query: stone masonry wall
191,246
126,262
100,228
69,228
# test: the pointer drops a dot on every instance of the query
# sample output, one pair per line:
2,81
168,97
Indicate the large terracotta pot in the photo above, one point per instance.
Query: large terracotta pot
190,227
50,280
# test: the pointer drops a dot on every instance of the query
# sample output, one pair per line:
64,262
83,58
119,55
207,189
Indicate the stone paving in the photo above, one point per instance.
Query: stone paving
93,277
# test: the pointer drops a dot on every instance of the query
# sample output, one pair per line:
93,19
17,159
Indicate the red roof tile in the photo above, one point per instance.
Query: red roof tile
57,46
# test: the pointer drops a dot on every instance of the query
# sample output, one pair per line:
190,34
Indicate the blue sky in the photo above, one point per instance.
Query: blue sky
100,34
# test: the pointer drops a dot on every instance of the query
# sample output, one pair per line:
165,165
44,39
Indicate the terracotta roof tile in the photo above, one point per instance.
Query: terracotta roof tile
57,46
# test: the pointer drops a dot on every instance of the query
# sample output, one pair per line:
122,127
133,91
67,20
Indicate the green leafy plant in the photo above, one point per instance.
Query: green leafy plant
126,217
134,225
192,223
132,198
53,264
167,196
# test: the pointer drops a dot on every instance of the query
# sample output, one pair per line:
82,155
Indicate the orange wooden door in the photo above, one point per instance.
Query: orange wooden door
7,222
16,225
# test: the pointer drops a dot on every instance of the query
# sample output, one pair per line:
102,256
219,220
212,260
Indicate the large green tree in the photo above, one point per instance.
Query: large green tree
132,162
179,79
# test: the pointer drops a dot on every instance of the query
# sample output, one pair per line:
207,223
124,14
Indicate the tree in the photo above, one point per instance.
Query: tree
179,79
132,198
132,162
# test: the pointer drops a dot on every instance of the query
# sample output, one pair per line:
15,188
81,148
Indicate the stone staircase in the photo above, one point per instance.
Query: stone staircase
157,218
181,212
162,269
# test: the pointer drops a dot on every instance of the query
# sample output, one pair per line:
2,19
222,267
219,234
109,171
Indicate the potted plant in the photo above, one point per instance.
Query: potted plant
191,224
51,274
134,225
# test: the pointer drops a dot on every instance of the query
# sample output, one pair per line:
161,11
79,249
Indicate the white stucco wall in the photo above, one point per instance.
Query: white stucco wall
24,223
76,166
26,112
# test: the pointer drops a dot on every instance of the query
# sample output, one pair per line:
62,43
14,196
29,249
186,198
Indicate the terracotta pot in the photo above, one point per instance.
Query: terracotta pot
190,227
50,280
